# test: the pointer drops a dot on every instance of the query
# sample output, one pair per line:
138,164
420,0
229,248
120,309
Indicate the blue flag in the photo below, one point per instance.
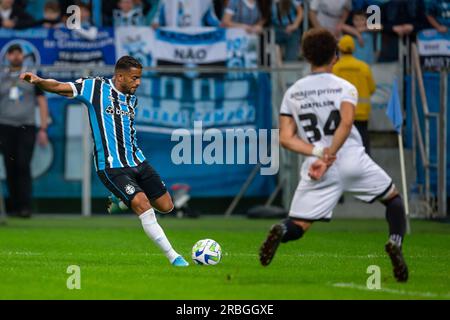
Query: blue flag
394,110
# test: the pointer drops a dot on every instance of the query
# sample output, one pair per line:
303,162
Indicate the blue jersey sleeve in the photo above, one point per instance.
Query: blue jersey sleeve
83,89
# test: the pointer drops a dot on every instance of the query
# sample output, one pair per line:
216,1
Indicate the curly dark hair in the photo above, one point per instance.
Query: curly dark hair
125,63
319,46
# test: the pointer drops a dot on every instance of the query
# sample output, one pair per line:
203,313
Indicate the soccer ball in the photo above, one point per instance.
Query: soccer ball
206,252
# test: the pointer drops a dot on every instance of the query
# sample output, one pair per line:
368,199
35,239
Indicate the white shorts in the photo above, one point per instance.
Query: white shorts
353,171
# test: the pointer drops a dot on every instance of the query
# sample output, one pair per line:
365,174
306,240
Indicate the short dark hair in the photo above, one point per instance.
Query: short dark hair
14,47
125,63
319,46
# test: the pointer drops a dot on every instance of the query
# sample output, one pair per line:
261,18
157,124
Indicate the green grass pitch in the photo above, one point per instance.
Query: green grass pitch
118,261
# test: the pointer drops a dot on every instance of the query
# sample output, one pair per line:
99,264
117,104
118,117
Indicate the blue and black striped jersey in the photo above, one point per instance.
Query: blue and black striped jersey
111,116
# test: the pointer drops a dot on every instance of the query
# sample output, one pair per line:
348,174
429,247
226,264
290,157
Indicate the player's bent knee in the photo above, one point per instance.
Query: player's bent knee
164,204
394,202
166,209
140,203
393,193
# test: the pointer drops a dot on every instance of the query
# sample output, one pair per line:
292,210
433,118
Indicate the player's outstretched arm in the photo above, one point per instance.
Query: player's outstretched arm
345,127
49,85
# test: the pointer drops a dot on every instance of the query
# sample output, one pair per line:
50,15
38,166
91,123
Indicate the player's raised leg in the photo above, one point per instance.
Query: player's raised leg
313,200
163,203
142,207
395,215
287,230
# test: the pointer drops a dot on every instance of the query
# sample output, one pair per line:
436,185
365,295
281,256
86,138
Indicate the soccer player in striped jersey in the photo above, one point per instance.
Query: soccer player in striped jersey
120,163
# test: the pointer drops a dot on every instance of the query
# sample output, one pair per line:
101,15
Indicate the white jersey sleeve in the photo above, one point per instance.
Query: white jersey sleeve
349,94
285,110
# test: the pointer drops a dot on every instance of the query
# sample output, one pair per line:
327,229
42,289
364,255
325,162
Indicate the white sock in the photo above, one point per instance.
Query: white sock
156,233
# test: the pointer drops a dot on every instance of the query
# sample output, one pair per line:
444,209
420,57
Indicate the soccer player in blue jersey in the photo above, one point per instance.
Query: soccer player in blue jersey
120,163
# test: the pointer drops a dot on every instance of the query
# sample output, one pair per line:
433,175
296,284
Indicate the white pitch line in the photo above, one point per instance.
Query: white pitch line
20,253
393,291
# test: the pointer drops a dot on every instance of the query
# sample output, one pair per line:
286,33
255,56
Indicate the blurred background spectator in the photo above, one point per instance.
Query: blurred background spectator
52,15
400,18
14,16
358,73
35,8
438,14
17,119
331,15
148,8
219,7
186,13
128,14
287,16
246,14
367,42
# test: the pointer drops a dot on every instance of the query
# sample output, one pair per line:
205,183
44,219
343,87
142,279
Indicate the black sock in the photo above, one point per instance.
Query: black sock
395,215
292,231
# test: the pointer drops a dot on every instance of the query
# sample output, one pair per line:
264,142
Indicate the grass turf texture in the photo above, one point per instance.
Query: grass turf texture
118,261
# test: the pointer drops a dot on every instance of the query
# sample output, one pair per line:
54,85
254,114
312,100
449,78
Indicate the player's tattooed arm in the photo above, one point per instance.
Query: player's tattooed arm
345,127
49,85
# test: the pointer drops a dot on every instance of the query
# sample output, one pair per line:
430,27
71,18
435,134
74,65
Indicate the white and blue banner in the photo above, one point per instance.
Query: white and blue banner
434,49
138,42
170,101
189,47
60,47
192,47
166,102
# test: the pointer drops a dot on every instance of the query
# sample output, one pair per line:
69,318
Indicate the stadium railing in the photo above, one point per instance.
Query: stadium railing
421,137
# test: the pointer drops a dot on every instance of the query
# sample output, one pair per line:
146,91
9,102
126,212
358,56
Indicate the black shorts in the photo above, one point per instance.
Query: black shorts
125,183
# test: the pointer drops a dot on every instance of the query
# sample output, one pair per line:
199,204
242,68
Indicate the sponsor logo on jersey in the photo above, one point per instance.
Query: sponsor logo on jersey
111,111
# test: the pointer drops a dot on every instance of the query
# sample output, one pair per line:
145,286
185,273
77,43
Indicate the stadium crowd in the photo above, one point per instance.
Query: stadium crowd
359,45
399,18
